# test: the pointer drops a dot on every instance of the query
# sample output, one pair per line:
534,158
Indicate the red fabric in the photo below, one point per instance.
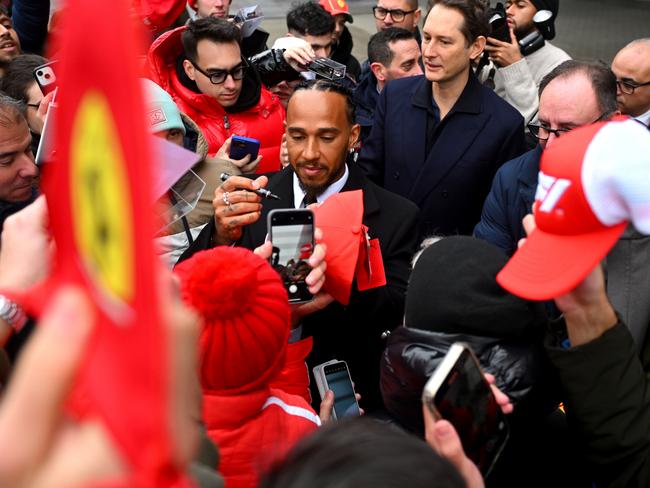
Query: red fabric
245,313
98,193
250,436
263,122
158,15
294,377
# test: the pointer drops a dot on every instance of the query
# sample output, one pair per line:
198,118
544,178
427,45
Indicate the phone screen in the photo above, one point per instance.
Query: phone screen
466,400
292,235
338,380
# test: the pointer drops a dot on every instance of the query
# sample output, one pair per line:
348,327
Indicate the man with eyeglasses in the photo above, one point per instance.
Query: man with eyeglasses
201,66
398,13
571,95
632,69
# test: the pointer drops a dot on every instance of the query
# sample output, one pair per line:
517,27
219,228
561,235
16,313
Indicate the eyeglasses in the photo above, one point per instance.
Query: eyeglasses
543,133
628,87
397,14
218,76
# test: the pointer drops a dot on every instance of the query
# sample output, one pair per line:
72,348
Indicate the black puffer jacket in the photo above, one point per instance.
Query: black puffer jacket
412,355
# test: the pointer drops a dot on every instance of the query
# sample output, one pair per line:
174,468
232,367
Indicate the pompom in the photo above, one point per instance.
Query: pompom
221,282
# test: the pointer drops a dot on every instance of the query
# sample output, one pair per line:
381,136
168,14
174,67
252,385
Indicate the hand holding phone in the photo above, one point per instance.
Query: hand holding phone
335,376
291,231
240,147
46,77
458,391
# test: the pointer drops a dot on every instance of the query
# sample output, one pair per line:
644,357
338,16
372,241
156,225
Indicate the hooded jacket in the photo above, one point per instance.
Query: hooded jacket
257,114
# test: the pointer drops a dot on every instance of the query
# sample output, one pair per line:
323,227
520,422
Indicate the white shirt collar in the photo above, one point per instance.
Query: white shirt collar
644,118
337,186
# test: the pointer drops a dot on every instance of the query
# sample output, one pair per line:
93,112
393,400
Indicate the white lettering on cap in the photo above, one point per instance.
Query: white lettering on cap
549,191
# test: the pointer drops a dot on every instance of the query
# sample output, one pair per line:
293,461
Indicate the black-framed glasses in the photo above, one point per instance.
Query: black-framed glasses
542,132
397,14
628,87
218,76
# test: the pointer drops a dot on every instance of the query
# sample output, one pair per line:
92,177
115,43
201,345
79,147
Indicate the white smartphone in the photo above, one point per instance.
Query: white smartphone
334,375
458,391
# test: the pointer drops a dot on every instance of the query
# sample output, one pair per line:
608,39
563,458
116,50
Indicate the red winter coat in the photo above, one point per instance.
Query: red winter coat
263,122
257,428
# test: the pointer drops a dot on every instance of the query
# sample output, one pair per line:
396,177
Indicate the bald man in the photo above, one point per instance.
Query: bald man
632,69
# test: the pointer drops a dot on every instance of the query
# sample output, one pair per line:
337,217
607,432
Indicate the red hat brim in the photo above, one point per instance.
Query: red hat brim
550,265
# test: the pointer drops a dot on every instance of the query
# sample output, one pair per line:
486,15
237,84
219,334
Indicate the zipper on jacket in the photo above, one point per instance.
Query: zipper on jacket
226,122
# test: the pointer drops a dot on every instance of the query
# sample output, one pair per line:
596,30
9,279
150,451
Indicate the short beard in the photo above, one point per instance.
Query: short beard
312,192
523,31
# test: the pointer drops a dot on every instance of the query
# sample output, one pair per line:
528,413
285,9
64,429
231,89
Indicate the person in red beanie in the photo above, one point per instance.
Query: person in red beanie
244,353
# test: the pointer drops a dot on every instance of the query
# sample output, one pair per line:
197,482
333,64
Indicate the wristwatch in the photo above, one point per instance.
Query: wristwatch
12,313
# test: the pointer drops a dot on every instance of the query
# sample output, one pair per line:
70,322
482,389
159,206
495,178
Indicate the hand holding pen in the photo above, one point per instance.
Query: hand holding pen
237,203
263,192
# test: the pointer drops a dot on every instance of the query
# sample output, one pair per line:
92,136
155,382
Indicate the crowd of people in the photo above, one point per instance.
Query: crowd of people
443,131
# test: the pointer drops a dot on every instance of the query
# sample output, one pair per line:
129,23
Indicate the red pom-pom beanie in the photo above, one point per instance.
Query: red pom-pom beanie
246,318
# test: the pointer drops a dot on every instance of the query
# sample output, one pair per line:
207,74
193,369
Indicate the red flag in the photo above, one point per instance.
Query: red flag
98,191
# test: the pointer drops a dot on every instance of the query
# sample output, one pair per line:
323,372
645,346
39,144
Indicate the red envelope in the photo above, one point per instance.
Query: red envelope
339,217
351,254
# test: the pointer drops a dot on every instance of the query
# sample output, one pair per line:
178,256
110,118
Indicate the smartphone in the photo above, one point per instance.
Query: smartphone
46,77
240,147
292,233
498,24
334,375
458,391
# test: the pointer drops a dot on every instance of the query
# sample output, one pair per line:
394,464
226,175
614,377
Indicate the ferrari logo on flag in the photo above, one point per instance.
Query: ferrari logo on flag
102,207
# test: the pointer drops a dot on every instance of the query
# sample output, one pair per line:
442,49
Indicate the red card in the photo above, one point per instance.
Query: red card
99,197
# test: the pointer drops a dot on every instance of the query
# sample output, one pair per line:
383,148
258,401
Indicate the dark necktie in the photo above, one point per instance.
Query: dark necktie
308,200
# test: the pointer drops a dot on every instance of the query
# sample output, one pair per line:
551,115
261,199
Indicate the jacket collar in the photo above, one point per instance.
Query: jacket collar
469,101
527,178
282,184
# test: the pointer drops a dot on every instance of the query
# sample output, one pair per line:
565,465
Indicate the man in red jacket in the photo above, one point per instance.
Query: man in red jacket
202,68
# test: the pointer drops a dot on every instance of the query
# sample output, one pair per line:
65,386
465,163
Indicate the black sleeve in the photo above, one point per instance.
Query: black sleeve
608,406
272,67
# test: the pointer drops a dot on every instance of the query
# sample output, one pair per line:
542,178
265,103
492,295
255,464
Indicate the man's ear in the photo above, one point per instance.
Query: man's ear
354,135
416,17
379,70
189,69
477,47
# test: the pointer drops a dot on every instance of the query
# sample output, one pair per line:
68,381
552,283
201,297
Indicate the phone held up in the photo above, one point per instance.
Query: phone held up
334,375
46,77
292,233
240,147
458,392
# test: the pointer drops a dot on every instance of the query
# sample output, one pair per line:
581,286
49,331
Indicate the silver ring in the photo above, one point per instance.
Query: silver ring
226,200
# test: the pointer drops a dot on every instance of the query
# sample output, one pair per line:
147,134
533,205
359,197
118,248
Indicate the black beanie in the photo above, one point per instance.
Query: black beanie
453,289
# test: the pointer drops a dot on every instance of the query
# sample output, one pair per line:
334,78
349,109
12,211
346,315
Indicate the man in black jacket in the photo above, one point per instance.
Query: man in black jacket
320,132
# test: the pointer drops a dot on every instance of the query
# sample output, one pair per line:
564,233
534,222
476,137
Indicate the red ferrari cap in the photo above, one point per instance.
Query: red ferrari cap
592,181
336,7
